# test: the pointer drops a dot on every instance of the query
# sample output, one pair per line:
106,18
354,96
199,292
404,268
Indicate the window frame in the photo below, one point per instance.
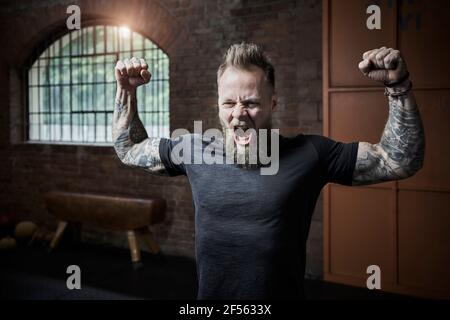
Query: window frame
39,48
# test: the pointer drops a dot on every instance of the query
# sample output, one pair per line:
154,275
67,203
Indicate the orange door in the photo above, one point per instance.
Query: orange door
403,227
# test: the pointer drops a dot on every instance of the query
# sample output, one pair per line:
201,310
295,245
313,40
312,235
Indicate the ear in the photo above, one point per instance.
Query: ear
274,101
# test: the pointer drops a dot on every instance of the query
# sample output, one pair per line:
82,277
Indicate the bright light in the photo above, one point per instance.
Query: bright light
124,31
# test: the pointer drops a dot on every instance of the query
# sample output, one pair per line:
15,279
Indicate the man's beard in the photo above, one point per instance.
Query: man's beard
244,156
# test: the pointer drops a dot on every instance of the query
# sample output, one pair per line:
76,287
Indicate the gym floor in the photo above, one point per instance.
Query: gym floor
107,273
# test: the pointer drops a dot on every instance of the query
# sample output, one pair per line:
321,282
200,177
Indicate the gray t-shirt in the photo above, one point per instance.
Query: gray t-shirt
251,229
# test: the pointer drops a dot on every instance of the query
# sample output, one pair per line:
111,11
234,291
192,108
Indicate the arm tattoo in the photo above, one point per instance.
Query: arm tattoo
400,152
131,142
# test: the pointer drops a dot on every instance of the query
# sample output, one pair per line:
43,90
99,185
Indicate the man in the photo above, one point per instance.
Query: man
251,229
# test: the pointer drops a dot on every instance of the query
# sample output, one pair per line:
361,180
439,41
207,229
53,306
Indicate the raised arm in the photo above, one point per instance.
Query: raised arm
131,142
400,152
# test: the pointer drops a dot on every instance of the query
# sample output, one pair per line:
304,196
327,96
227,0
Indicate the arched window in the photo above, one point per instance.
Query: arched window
71,86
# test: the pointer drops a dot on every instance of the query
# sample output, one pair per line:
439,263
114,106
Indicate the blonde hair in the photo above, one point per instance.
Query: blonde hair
243,56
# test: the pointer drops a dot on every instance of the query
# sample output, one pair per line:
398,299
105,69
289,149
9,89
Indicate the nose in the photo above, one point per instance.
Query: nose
239,111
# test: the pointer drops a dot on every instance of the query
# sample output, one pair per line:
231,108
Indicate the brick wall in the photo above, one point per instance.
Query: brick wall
195,34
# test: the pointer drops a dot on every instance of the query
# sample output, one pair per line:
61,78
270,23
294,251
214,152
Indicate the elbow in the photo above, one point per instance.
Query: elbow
121,153
415,165
418,158
122,145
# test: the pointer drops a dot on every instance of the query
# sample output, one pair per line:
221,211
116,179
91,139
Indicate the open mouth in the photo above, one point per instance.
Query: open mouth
242,136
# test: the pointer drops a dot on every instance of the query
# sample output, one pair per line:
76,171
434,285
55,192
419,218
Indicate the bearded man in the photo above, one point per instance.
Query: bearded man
251,228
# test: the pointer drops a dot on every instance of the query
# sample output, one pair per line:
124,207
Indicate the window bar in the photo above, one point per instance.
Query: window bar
48,94
54,86
67,84
86,106
158,107
52,103
105,86
148,91
148,94
144,91
131,33
160,89
94,40
163,84
83,44
168,97
152,94
119,43
93,96
39,98
61,95
155,94
163,107
78,91
70,87
27,116
54,93
113,39
79,44
81,106
115,43
94,78
88,41
82,55
94,89
47,70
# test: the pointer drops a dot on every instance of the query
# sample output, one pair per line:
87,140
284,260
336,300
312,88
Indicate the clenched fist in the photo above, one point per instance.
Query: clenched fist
384,65
132,73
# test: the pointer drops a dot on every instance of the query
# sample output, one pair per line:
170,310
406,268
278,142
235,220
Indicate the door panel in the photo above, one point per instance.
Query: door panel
435,110
424,41
358,116
349,38
367,213
424,226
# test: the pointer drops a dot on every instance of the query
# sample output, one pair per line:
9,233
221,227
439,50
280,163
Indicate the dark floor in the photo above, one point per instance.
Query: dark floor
107,273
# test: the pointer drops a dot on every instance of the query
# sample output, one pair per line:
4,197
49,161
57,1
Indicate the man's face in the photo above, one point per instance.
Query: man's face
246,101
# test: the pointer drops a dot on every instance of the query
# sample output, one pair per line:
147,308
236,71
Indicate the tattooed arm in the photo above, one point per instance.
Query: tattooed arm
400,152
131,142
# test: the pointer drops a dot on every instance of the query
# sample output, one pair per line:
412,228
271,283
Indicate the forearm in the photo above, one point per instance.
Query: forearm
403,138
127,128
400,152
131,142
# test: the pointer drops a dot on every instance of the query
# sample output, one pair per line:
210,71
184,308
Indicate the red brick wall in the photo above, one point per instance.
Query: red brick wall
194,34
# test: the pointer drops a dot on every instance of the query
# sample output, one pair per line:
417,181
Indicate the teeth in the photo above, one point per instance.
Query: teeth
240,133
241,130
242,139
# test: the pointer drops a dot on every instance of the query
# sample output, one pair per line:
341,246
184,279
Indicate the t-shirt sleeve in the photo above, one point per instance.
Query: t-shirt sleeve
337,159
171,154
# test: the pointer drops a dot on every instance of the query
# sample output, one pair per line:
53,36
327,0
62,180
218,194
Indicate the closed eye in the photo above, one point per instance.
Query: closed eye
251,104
228,104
